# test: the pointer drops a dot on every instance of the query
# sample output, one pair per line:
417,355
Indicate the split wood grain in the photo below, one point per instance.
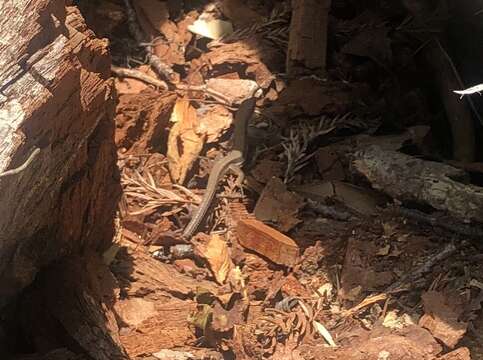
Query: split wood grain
307,46
265,240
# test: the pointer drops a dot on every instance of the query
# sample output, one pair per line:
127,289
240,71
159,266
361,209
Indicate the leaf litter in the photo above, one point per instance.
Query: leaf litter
367,277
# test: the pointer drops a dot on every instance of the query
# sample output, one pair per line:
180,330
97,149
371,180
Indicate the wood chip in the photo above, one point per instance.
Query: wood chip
277,204
264,240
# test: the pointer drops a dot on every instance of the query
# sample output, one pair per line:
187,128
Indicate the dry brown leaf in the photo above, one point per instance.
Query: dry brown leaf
184,143
217,255
213,121
266,169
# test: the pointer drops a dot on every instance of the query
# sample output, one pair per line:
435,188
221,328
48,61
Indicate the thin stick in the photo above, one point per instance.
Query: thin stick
23,166
136,74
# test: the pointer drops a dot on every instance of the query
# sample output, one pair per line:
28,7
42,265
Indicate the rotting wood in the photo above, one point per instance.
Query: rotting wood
142,275
156,304
307,45
55,96
74,299
413,180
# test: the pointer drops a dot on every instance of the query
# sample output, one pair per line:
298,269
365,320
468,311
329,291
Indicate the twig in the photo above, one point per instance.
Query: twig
22,167
369,300
136,74
328,211
215,94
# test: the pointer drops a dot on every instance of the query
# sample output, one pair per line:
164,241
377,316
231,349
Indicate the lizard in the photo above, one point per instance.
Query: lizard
232,161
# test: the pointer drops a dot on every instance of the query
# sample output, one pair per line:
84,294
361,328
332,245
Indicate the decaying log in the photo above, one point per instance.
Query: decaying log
140,275
157,303
413,180
307,47
71,305
55,100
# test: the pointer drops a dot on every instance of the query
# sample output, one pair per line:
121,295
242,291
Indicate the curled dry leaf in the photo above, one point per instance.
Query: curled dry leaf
184,143
216,253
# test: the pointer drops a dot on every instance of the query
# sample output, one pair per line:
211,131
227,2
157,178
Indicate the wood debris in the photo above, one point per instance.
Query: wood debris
307,46
354,234
258,237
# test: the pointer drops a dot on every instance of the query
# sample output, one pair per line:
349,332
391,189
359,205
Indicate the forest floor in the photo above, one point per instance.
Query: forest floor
336,246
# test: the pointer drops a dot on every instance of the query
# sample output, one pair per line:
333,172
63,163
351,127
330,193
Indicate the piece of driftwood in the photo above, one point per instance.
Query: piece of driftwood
409,179
56,133
307,46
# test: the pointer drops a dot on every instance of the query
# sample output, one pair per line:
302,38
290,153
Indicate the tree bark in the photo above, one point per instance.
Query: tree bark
56,99
413,180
